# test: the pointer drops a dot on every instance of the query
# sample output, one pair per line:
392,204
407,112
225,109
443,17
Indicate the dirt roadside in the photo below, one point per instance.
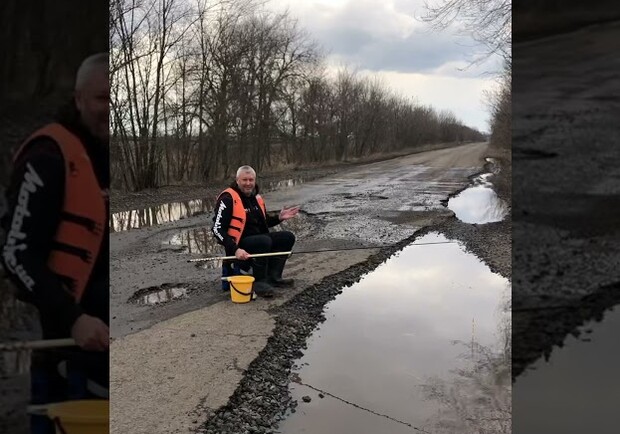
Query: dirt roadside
183,361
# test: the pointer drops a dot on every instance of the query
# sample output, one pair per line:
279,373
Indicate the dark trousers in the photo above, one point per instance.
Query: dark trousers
281,241
48,384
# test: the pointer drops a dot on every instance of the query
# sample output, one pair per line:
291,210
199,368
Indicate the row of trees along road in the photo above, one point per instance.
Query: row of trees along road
489,24
199,88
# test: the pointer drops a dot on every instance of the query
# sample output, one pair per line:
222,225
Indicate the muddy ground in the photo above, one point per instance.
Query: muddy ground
566,186
201,363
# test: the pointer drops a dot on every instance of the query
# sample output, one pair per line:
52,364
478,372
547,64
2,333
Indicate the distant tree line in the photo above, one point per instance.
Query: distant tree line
489,24
38,55
199,88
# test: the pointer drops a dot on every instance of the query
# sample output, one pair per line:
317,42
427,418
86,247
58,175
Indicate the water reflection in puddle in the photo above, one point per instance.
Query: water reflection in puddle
578,389
389,339
200,241
479,204
162,295
279,185
171,212
168,212
18,322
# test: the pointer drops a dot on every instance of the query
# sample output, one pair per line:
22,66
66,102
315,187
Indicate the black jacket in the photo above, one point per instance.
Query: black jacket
255,221
43,157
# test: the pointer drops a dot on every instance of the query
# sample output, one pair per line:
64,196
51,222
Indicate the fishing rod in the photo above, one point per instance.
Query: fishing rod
37,345
261,255
256,255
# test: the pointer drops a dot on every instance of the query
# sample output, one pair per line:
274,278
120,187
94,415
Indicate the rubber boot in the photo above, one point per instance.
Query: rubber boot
275,269
261,286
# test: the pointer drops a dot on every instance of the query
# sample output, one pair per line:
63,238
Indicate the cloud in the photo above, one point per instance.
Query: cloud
383,38
379,35
462,96
414,54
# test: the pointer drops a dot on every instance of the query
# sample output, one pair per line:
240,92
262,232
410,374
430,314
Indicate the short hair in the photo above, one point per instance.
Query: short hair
90,64
244,169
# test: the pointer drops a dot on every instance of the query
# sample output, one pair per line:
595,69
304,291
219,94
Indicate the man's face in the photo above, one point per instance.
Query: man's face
93,103
246,182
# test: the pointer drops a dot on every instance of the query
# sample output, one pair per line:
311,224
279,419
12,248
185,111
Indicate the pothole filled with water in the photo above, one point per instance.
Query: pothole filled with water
169,212
159,294
412,347
579,379
479,203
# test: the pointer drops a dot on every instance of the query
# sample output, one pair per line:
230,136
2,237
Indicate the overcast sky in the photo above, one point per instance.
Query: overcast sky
383,38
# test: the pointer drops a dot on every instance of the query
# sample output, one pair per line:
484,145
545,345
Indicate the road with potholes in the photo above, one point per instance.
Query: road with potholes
175,364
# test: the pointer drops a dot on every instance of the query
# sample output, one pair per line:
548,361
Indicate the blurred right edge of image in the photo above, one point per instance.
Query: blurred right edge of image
566,197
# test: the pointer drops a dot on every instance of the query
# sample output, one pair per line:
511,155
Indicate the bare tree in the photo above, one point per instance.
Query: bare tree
38,57
143,36
316,118
499,102
478,398
200,87
488,22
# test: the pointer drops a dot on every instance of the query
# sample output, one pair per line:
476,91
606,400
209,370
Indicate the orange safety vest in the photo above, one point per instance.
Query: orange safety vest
80,233
239,214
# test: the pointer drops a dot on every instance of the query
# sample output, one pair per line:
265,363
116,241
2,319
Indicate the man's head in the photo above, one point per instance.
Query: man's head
246,179
92,95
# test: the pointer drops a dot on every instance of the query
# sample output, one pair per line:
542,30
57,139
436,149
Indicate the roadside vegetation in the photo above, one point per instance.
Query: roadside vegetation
199,88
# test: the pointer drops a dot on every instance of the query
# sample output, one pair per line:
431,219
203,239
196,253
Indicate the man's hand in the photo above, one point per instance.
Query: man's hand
90,333
242,255
288,213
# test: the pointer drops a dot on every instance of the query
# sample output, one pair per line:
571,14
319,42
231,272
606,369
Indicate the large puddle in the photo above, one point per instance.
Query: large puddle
479,203
171,212
385,359
578,389
162,294
198,241
18,322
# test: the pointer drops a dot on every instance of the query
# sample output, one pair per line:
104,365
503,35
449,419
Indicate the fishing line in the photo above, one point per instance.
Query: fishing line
370,247
258,255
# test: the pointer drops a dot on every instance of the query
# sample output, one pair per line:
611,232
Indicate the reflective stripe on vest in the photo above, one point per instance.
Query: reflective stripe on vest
237,223
82,222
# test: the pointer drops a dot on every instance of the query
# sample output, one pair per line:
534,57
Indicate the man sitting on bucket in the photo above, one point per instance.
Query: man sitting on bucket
241,225
57,248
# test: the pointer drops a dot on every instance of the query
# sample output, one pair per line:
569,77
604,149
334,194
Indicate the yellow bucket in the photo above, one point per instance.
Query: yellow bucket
241,288
89,416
